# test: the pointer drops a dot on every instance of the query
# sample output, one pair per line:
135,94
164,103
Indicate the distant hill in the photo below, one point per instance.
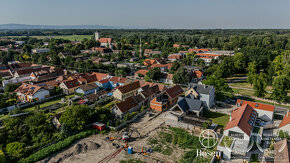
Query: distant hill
27,26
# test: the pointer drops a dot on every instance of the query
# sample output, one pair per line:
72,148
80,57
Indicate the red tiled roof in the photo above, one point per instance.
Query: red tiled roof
285,121
197,74
149,61
100,76
104,81
71,83
159,65
240,117
198,50
143,72
129,87
116,79
174,92
126,105
174,56
28,89
105,40
256,105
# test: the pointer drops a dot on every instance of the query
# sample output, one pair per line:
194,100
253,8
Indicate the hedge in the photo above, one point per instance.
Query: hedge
45,152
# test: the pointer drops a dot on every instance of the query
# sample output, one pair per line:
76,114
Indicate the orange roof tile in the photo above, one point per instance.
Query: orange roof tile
285,121
105,40
257,105
240,118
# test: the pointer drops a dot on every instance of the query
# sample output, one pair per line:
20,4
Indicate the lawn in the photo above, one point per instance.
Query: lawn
48,103
227,141
217,118
67,37
247,85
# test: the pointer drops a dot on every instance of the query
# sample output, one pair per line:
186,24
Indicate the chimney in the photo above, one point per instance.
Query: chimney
95,91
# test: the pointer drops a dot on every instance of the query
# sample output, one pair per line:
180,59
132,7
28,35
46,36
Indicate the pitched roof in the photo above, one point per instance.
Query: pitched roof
240,117
105,40
149,61
159,65
285,121
92,97
129,87
198,50
100,76
190,104
282,151
23,71
257,105
128,104
143,72
28,89
88,87
150,91
174,92
88,78
104,81
174,56
71,83
200,88
116,79
197,74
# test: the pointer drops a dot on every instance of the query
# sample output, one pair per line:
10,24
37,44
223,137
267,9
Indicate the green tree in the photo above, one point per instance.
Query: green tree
280,88
10,87
15,149
154,74
181,76
76,117
252,71
226,68
239,62
260,85
220,85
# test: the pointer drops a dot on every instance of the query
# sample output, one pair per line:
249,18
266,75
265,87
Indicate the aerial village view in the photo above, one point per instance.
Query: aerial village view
143,93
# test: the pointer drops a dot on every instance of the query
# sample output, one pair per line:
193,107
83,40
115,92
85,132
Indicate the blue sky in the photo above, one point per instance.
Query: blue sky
195,14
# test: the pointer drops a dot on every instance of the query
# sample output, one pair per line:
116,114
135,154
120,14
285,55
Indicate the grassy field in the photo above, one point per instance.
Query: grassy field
247,85
67,37
48,103
217,118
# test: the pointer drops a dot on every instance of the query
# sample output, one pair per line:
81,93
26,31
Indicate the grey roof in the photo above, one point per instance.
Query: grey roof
200,88
189,104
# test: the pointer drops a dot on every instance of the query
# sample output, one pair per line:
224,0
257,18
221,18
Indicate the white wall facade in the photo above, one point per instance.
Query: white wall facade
238,130
267,115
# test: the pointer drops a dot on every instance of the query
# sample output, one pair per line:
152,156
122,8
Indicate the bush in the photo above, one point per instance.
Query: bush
43,153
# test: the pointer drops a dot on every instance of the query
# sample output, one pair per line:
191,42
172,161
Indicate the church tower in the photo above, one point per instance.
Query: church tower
97,36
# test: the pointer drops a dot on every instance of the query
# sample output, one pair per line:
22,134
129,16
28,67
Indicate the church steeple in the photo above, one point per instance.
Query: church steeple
97,36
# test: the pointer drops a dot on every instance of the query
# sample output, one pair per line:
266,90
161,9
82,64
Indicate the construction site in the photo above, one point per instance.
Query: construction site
129,143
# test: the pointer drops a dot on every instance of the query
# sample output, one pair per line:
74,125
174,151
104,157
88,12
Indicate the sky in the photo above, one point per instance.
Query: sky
177,14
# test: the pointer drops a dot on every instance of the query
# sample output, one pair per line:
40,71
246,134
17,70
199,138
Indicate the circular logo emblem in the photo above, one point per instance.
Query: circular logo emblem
208,138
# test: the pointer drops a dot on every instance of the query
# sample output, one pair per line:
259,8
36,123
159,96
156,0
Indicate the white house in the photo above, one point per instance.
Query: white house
264,111
30,93
241,122
206,93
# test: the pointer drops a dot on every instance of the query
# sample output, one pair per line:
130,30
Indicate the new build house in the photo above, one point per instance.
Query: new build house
264,111
29,93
